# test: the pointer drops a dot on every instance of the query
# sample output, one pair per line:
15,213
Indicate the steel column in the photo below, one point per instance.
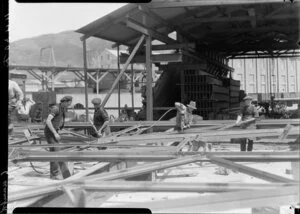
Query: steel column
119,88
85,80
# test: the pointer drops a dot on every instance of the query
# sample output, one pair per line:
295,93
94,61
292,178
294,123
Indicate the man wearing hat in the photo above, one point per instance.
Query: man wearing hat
184,115
247,112
54,122
101,119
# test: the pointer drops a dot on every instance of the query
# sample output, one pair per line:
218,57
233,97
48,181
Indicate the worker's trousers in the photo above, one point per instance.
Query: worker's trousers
57,168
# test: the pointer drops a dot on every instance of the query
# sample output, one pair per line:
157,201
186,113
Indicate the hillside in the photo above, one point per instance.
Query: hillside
67,49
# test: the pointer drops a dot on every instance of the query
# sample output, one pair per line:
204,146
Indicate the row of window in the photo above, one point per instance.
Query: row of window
283,83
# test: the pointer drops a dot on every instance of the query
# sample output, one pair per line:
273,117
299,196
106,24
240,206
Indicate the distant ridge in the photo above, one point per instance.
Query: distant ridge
67,49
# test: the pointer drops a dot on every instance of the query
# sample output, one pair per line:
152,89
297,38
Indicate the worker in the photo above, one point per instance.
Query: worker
55,121
15,98
247,112
101,119
184,115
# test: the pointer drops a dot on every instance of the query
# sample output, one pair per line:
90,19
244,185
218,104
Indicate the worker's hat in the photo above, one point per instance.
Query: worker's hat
66,99
192,105
96,101
247,98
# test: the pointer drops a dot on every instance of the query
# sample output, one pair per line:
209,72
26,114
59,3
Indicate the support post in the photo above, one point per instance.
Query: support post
149,80
287,76
52,80
85,81
296,71
97,82
123,69
119,88
132,86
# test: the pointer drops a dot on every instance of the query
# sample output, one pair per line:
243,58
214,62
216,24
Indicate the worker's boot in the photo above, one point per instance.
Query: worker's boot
243,143
250,145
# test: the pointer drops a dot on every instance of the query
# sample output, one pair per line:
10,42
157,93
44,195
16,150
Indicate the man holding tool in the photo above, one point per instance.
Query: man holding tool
54,122
184,116
248,112
100,120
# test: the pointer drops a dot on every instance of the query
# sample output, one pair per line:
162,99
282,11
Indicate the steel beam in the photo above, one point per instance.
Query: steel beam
250,171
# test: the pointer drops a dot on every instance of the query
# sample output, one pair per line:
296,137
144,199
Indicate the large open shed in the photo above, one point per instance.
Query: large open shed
207,33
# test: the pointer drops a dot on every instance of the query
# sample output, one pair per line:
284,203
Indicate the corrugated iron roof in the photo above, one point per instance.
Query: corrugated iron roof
227,26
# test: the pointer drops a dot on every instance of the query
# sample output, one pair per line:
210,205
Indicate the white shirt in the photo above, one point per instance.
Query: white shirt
15,93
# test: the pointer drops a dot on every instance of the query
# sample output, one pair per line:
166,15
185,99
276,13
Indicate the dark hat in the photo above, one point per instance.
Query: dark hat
66,98
192,105
96,101
247,98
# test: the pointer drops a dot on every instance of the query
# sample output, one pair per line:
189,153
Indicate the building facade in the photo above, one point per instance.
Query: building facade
278,75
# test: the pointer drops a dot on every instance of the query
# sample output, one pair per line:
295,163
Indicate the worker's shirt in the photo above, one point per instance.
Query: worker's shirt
100,116
58,113
14,92
248,112
182,111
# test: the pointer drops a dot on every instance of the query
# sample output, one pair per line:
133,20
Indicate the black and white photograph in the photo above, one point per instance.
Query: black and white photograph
177,106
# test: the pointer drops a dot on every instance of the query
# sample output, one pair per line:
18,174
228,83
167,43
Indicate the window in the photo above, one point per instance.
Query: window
252,78
263,79
273,88
283,88
263,88
273,79
283,78
251,88
240,77
292,79
292,88
108,57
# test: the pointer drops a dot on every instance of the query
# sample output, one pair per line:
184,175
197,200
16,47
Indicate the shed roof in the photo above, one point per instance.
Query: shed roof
233,27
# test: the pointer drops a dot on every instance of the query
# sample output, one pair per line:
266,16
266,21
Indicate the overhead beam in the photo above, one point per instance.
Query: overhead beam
258,17
110,19
147,31
155,58
195,3
285,29
173,46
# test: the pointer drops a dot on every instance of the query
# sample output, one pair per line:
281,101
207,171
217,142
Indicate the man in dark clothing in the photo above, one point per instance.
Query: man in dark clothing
247,112
101,119
54,122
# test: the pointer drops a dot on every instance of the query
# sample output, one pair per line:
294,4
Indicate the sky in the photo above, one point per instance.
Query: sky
34,19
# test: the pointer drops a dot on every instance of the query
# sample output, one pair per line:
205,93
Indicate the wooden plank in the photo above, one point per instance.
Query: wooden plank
154,155
124,173
223,201
21,141
142,186
285,132
250,171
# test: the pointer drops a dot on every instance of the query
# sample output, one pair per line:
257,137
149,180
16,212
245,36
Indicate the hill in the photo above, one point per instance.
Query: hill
67,48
